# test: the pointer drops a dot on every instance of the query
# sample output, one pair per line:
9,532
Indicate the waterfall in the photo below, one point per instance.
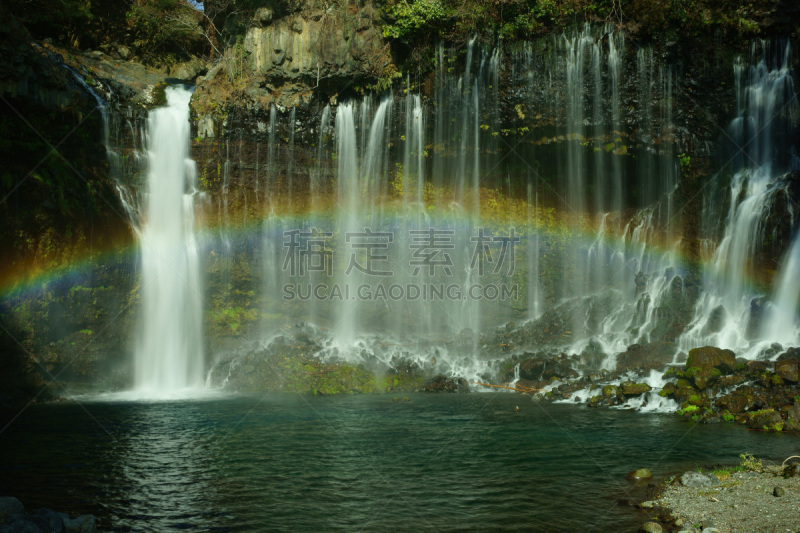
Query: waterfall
724,314
169,349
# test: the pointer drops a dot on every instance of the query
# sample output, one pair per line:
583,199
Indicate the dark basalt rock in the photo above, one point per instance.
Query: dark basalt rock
723,360
765,418
630,388
541,368
788,369
443,383
735,402
791,353
702,376
646,356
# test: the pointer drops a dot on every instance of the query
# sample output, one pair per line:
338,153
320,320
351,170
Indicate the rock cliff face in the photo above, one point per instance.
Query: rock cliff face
316,51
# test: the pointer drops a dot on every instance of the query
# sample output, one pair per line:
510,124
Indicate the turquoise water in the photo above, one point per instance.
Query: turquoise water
366,463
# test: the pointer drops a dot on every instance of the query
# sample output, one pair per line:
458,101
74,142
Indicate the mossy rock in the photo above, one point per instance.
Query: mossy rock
702,376
671,372
764,419
688,410
735,402
788,370
731,380
630,388
610,391
683,384
791,425
668,390
722,360
639,473
683,394
697,399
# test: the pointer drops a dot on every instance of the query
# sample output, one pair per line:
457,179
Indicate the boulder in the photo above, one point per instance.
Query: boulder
82,524
610,391
532,368
48,520
731,380
754,369
791,353
723,360
702,376
9,506
188,70
540,368
20,523
263,16
629,388
794,411
698,479
765,418
639,473
682,394
734,402
646,356
652,527
668,390
123,51
788,369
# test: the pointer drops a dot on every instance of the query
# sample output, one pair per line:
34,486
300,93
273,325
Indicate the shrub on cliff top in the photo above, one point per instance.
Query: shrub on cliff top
406,19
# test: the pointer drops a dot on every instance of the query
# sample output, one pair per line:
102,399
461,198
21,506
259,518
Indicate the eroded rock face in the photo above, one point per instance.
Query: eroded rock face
329,50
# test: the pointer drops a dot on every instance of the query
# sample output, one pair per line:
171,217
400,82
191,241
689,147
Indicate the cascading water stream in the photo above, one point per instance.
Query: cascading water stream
723,315
169,349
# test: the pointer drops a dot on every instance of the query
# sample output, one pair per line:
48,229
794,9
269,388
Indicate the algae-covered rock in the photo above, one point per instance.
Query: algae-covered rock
735,402
668,390
639,473
702,376
652,527
723,360
610,391
764,419
788,369
630,388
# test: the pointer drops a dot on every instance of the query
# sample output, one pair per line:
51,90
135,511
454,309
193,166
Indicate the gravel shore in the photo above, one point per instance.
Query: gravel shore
742,501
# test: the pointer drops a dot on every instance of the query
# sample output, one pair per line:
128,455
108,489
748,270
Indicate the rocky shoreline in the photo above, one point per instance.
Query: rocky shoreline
749,497
13,518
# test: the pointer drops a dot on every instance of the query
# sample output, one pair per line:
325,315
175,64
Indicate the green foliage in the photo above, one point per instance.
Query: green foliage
685,162
167,30
689,409
749,462
232,318
410,19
